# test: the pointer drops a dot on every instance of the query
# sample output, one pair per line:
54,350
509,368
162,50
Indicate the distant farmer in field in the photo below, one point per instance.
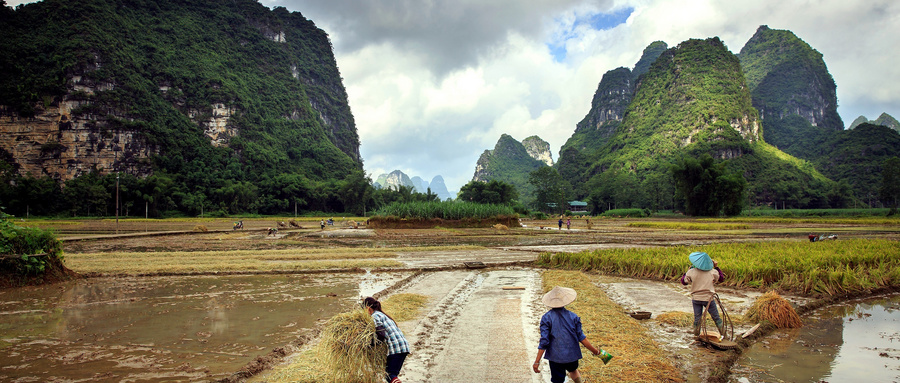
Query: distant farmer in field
560,335
387,331
568,223
703,275
560,222
322,224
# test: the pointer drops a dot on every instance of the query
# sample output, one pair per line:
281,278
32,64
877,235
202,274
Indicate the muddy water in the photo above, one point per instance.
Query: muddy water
163,329
857,341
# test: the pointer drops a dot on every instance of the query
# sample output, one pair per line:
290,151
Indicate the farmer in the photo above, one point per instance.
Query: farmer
568,223
387,331
560,335
702,276
560,222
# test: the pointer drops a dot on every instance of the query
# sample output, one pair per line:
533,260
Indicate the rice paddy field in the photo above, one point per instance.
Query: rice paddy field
757,254
822,268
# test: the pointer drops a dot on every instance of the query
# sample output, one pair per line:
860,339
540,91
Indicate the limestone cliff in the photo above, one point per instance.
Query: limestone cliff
509,162
538,149
611,100
787,78
884,120
438,187
140,87
394,180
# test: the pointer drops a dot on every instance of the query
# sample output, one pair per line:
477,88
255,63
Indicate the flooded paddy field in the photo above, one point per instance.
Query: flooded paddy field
206,327
856,341
189,328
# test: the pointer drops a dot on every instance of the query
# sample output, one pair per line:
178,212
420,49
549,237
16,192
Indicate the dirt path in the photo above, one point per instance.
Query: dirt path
486,333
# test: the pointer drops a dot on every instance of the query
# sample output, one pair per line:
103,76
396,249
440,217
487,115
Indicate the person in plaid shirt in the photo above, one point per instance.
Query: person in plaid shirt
387,331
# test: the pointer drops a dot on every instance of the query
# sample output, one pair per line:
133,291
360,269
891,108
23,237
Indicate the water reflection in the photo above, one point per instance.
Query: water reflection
856,341
153,329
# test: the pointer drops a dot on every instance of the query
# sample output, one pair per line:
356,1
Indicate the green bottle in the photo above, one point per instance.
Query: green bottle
604,356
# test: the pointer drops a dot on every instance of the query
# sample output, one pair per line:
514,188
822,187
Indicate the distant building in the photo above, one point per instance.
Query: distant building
577,206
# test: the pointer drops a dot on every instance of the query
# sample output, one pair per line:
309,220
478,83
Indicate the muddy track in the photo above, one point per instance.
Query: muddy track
486,332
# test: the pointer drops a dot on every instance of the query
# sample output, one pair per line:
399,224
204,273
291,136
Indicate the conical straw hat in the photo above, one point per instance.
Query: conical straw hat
559,297
701,260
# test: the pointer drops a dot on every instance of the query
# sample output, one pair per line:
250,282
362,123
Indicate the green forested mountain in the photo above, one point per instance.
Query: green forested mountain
613,95
693,101
795,94
884,120
213,105
852,157
788,79
510,162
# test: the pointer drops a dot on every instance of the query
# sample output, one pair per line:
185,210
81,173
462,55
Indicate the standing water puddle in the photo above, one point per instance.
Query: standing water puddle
164,328
858,341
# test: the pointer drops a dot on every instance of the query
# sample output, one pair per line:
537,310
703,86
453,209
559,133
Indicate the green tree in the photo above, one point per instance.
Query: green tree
890,183
86,194
551,190
493,192
356,192
707,188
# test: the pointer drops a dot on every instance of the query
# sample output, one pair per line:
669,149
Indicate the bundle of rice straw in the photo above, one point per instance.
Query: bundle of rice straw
776,310
347,350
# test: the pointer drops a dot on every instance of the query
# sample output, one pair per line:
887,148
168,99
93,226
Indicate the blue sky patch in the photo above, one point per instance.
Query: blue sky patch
596,21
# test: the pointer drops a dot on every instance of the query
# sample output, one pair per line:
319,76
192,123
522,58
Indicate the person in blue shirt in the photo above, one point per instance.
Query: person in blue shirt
560,337
387,331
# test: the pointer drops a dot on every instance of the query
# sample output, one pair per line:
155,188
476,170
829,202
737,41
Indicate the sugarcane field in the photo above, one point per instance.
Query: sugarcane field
200,300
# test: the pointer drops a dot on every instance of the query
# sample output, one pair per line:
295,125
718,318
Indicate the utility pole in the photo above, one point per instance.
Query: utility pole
117,203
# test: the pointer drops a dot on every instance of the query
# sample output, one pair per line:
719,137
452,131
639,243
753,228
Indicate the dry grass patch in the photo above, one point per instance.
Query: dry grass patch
238,260
404,307
637,358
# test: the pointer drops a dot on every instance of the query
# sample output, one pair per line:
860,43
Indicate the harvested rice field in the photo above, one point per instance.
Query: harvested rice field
464,323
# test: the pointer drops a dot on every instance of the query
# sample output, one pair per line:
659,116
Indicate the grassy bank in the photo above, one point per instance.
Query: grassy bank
820,268
637,358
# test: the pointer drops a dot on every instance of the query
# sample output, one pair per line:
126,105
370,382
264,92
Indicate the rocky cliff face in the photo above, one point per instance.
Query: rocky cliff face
614,93
507,156
788,78
122,85
58,143
538,149
394,180
510,162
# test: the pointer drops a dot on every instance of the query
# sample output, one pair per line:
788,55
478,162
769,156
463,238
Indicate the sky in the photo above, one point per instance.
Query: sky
434,83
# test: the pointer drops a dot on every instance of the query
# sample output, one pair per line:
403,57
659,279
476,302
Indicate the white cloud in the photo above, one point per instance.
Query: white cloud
434,84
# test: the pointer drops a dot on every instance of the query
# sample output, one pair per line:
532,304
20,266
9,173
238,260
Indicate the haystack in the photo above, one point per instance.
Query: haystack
348,351
501,227
776,310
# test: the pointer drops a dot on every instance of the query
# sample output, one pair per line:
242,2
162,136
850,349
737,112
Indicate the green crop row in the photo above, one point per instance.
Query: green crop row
689,225
444,210
809,268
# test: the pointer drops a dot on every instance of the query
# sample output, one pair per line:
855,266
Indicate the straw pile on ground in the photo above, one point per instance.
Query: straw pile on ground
347,348
309,366
637,358
774,309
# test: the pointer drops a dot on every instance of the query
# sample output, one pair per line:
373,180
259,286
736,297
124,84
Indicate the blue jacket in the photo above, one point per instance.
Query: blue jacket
561,336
